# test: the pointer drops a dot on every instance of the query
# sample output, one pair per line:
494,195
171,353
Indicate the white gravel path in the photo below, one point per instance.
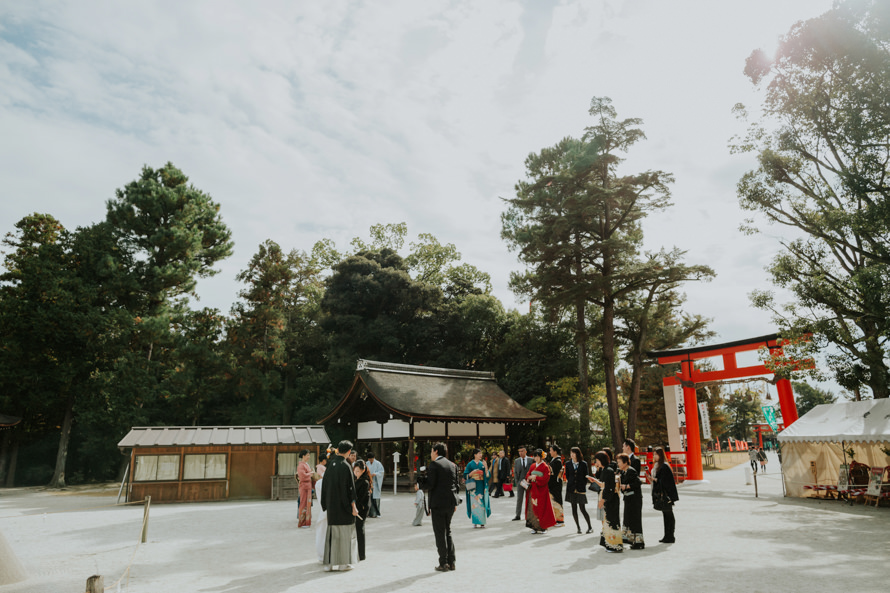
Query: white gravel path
727,540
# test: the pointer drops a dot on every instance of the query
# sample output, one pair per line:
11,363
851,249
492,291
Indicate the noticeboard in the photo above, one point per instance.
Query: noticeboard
843,478
875,480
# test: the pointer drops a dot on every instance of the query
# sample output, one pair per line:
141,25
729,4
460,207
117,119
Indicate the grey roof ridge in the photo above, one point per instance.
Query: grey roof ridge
409,369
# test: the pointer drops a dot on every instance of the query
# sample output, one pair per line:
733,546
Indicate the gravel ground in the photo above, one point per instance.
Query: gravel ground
727,540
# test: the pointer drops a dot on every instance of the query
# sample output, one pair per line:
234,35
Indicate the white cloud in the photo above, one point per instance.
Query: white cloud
311,120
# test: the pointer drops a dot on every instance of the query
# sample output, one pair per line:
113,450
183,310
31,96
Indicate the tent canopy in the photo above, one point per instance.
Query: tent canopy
863,422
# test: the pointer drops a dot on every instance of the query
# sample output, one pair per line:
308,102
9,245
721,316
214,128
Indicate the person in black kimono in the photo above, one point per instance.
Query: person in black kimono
610,503
362,503
556,478
632,532
338,501
576,486
663,486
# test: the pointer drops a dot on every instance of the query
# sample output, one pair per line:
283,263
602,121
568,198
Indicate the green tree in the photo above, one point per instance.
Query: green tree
652,319
808,397
741,408
174,234
273,335
373,309
54,320
576,222
823,149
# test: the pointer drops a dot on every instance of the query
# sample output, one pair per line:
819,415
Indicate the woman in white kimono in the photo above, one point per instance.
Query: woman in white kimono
321,525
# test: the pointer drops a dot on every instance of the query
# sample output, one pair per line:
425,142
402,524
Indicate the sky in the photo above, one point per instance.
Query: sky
310,120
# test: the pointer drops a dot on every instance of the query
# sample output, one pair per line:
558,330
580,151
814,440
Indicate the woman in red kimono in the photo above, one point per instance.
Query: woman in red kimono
538,510
304,479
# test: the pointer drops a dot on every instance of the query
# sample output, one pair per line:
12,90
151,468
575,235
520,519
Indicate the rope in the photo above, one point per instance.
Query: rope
126,572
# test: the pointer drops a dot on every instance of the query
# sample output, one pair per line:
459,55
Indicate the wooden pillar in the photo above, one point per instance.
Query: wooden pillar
410,464
96,584
694,470
786,402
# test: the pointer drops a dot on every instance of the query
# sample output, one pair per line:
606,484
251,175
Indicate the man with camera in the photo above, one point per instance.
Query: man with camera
443,487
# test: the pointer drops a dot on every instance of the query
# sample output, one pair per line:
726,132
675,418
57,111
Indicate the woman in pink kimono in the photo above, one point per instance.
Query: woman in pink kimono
304,479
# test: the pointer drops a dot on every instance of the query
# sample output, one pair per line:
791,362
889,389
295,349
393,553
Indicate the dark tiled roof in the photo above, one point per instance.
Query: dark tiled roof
183,436
436,394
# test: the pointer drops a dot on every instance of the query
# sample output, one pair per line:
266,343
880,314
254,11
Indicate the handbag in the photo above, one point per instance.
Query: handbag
659,500
470,485
523,484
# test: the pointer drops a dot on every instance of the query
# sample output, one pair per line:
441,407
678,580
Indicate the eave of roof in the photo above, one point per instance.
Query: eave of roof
201,436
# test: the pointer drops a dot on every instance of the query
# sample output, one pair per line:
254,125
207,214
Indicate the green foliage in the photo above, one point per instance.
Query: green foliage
576,223
823,149
741,408
808,397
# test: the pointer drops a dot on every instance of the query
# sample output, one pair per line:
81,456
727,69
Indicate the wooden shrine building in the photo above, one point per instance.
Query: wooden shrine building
202,463
398,402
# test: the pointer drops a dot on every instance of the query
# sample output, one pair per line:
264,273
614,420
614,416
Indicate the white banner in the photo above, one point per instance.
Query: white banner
675,416
705,420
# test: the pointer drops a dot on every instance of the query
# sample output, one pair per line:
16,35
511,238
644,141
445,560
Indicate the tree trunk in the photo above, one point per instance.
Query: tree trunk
58,479
877,368
13,462
609,370
583,378
4,454
633,405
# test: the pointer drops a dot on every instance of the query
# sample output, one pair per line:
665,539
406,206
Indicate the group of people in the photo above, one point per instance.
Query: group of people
349,490
541,485
756,456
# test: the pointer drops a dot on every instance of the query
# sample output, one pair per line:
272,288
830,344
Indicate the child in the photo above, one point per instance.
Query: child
420,504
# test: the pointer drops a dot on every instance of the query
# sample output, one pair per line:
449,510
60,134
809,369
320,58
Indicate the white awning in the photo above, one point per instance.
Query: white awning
865,422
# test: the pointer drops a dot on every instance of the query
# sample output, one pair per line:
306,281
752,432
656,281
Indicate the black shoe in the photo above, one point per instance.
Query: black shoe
579,530
667,540
590,530
512,495
442,568
517,519
451,566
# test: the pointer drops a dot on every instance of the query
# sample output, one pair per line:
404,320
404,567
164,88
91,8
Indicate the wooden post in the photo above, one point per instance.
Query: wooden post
755,486
145,519
96,584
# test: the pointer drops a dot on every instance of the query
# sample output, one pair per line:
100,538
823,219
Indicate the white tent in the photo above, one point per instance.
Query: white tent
813,447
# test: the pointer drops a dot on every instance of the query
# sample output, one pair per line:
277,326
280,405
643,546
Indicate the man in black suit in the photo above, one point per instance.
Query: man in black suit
629,447
443,485
520,469
501,468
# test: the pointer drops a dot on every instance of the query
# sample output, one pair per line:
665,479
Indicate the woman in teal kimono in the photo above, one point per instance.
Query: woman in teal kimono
476,475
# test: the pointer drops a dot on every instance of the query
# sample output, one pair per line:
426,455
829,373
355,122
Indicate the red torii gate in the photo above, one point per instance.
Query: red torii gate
689,377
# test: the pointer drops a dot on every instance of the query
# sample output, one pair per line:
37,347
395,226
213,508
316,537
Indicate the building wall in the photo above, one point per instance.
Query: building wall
249,470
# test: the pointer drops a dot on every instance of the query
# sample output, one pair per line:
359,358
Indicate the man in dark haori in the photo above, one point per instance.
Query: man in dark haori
443,485
338,501
502,470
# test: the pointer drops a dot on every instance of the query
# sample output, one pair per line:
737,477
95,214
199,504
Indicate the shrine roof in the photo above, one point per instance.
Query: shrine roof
429,393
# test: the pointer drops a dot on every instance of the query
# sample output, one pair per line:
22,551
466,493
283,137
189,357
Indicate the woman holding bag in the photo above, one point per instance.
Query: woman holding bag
609,502
476,475
664,493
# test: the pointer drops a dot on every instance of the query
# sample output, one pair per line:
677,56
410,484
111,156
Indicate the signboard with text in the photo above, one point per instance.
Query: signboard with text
675,414
705,420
